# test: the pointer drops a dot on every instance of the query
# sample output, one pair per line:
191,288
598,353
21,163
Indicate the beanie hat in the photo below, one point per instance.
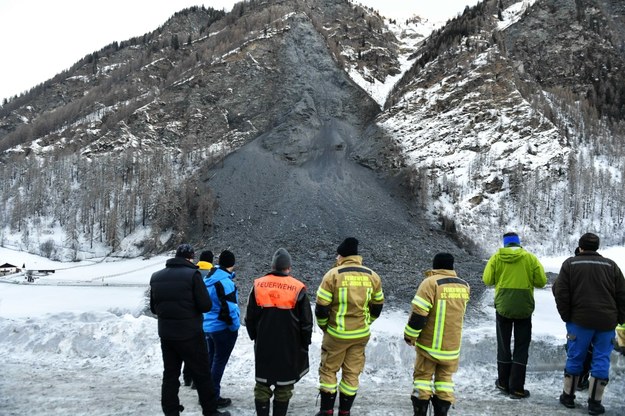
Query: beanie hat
589,241
281,260
349,247
185,251
511,238
443,261
226,259
206,255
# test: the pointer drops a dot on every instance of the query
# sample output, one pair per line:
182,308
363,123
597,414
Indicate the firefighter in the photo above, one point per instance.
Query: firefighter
349,299
435,329
279,321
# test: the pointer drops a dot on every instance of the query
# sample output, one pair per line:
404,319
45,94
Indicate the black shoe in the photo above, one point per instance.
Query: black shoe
595,407
568,400
519,394
223,402
501,388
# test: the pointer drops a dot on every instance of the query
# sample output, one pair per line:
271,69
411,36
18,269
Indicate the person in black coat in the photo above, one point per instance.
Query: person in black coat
279,321
178,297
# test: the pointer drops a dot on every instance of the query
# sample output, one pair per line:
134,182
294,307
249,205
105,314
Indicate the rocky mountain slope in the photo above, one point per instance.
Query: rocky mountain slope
260,128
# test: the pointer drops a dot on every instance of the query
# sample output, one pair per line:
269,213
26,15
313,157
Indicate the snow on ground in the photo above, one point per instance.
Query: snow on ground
76,343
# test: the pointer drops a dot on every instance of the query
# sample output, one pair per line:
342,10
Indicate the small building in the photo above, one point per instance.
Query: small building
7,268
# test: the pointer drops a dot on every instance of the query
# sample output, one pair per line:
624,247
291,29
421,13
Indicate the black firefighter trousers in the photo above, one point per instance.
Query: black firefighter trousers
194,353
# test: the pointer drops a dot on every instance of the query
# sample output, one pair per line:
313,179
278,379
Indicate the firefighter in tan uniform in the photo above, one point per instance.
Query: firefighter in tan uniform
435,329
349,299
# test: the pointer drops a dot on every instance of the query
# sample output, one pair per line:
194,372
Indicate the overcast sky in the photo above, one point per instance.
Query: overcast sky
41,38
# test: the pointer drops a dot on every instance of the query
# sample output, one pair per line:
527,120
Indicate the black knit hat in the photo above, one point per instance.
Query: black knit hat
185,251
281,260
206,255
589,242
443,261
226,259
349,247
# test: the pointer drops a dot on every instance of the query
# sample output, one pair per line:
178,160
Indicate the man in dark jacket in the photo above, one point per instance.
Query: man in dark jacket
279,321
178,297
590,297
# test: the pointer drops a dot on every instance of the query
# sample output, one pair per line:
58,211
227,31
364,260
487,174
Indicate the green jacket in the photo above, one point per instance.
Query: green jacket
515,273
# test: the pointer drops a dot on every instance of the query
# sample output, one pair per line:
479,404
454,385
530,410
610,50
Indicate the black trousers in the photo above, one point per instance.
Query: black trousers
512,363
194,353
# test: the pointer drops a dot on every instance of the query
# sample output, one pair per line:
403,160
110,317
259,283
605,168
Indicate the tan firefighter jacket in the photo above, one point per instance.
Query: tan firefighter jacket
352,292
437,315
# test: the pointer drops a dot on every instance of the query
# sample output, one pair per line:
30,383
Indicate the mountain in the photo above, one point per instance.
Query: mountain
297,123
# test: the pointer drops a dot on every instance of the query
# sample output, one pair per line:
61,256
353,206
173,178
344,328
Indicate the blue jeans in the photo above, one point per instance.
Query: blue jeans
578,341
220,345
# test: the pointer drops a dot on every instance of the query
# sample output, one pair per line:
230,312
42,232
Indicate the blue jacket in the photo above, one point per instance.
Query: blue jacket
212,323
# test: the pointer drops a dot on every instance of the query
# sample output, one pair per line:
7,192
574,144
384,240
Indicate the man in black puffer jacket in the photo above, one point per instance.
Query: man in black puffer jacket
178,297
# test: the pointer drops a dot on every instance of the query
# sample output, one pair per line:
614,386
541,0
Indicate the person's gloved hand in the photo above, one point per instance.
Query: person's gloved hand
409,341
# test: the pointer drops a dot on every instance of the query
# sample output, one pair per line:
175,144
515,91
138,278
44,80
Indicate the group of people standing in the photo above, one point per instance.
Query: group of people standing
198,322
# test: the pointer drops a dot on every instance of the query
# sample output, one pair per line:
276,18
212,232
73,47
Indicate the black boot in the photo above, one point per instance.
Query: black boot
503,376
567,398
517,382
345,404
280,408
420,406
441,407
596,386
262,407
327,403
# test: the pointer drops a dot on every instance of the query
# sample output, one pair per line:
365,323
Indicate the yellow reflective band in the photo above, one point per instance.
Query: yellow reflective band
347,389
322,321
439,325
425,385
412,333
444,386
344,334
366,312
324,295
328,387
439,354
421,303
342,311
378,296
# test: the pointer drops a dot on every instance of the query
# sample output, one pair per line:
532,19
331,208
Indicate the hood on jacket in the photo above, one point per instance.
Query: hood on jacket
511,254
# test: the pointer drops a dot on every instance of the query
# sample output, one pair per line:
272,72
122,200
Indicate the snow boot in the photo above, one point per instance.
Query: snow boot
596,386
441,407
175,412
503,376
567,398
280,408
345,404
327,403
420,406
517,382
262,407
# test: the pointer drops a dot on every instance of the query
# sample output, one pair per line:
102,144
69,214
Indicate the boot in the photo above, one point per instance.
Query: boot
280,408
503,376
420,406
567,398
596,386
327,403
175,412
517,382
345,404
441,407
262,407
